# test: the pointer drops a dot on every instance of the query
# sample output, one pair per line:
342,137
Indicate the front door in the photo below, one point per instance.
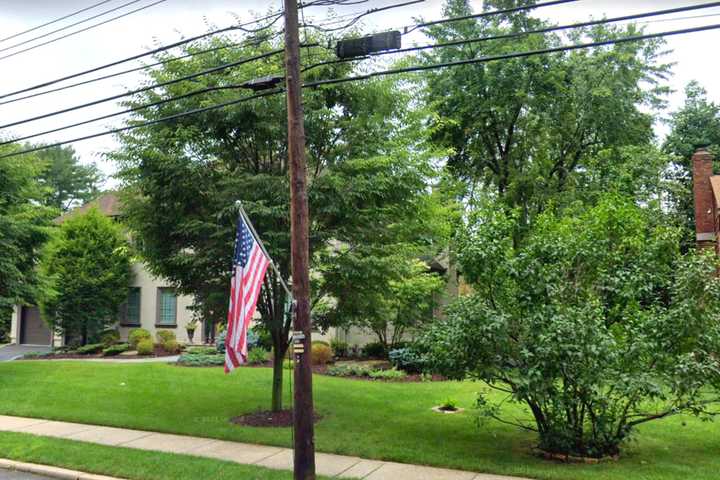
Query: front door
33,330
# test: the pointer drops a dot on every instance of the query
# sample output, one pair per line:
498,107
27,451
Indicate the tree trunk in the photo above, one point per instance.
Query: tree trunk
277,381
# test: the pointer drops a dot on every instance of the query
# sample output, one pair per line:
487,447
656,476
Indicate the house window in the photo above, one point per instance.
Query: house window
167,307
130,309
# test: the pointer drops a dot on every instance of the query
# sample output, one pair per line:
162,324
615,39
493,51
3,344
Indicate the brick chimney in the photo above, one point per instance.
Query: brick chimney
702,170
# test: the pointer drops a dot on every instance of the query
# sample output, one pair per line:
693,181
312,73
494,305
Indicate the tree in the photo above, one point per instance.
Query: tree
397,296
87,265
597,323
24,227
67,182
181,179
696,124
523,130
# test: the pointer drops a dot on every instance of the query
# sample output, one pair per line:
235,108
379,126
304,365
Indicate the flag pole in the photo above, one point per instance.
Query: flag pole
245,217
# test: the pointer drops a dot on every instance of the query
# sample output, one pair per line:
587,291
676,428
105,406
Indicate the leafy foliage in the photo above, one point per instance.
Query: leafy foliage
136,335
596,322
201,360
320,354
67,183
182,179
696,123
145,347
524,130
90,349
24,228
257,356
88,269
115,350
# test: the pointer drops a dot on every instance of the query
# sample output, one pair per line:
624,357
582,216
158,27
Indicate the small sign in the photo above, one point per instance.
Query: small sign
298,337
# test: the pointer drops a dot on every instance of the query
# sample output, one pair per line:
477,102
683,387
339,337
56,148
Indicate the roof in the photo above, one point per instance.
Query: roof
108,204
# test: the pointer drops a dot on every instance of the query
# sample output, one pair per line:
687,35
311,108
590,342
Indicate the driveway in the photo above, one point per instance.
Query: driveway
11,352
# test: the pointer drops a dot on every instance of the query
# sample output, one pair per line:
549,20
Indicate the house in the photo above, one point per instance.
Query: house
152,303
706,196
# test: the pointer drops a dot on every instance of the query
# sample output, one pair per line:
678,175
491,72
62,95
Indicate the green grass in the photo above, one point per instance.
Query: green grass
369,419
125,462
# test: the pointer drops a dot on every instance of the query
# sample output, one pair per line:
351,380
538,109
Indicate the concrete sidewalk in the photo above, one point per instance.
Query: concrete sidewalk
265,456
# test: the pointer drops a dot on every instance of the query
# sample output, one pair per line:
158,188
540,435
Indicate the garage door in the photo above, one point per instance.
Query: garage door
33,331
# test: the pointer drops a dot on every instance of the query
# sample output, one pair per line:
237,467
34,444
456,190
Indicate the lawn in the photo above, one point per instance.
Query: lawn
368,419
125,462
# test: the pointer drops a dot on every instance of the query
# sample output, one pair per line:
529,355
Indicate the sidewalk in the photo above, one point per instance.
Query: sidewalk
265,456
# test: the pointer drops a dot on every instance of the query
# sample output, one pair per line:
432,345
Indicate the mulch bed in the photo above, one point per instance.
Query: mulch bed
158,352
413,378
282,418
564,458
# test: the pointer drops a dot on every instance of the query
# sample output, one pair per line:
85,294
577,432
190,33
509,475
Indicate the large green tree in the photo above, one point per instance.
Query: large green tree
87,265
67,182
24,228
181,179
525,130
597,323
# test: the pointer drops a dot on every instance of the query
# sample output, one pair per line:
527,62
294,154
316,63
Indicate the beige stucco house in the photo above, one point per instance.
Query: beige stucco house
152,304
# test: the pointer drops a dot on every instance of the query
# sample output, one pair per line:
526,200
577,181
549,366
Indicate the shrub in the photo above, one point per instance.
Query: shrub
449,405
171,346
257,356
201,351
320,342
391,374
109,337
320,354
409,359
145,347
596,322
220,342
201,360
351,370
164,336
136,335
339,348
90,349
374,350
114,350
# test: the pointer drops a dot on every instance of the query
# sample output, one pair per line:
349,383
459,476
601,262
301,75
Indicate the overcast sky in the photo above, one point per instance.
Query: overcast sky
170,20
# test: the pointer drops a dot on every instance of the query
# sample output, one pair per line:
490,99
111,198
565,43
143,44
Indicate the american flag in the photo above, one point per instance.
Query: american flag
249,266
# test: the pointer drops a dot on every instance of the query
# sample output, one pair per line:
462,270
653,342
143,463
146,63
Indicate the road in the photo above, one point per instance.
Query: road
13,475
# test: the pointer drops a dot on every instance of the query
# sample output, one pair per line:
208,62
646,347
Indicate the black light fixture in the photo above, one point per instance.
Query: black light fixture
358,47
263,83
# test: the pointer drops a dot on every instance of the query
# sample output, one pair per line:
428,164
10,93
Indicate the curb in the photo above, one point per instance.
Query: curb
48,471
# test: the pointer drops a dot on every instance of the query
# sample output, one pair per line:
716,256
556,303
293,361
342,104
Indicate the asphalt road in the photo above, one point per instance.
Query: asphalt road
13,475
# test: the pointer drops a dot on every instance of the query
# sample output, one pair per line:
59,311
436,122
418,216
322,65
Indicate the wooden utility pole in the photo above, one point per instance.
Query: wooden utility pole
299,226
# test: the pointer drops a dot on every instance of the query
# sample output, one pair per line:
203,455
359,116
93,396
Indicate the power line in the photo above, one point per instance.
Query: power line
506,36
123,112
149,123
79,22
396,71
137,69
510,56
77,12
153,51
360,15
62,37
491,13
145,89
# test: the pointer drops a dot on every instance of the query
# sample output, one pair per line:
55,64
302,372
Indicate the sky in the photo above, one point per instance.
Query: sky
171,20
